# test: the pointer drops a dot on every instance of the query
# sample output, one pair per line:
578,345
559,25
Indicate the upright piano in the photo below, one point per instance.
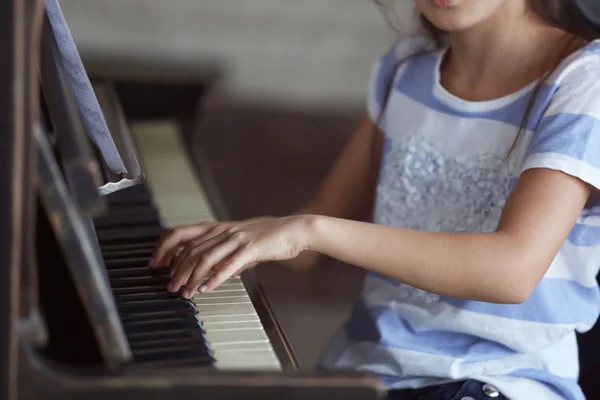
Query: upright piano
81,315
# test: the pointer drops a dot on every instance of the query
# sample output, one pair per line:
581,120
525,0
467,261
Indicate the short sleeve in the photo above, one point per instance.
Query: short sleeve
385,68
567,138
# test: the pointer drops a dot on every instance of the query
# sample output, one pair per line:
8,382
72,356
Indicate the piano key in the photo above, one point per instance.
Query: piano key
162,347
139,289
141,322
165,334
133,272
131,262
232,325
129,234
149,314
109,255
142,244
152,326
173,340
137,309
196,353
133,282
162,360
124,299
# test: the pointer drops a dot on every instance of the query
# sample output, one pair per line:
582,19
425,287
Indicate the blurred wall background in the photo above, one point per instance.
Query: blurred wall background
300,51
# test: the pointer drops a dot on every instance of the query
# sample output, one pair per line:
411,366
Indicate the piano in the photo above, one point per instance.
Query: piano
86,197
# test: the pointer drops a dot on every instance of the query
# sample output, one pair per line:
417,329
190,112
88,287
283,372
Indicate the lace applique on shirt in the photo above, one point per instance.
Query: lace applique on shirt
422,188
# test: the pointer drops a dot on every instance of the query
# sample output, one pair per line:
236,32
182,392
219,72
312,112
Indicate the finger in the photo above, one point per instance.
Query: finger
209,234
171,240
233,263
176,263
205,264
188,262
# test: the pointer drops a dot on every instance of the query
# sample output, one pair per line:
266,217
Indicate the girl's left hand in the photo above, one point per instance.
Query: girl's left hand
239,247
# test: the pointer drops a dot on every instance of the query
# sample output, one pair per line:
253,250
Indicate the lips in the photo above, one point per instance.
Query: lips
443,3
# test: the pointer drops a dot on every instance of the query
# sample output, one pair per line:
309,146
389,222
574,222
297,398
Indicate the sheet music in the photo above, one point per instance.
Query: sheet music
89,108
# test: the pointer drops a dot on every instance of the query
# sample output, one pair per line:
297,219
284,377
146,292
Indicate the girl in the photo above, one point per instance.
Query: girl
480,157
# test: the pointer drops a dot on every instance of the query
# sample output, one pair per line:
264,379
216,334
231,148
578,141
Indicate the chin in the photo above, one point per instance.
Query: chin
457,15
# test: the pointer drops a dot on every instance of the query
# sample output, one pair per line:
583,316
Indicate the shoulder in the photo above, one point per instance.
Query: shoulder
567,137
575,84
579,70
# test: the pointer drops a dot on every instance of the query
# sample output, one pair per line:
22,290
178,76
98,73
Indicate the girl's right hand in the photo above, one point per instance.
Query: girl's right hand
174,238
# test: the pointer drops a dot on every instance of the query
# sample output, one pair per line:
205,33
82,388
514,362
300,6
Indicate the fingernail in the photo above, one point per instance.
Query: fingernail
185,294
171,273
202,289
172,288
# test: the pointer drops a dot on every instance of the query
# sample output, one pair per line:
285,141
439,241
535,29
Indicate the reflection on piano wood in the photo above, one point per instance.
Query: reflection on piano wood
233,328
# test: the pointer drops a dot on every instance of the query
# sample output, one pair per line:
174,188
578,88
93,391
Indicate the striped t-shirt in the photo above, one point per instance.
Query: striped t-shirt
445,168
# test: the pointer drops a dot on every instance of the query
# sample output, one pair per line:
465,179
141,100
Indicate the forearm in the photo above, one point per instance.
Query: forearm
479,266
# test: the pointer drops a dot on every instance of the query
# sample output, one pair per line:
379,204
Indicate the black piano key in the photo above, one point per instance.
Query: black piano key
154,306
165,334
139,290
138,272
126,262
169,358
153,326
145,315
110,255
143,303
167,319
139,281
147,343
174,351
141,244
146,296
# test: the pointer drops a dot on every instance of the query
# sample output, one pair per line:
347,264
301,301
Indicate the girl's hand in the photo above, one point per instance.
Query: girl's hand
237,247
174,238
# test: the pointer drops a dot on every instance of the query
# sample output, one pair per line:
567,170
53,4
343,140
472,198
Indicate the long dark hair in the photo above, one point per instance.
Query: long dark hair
562,14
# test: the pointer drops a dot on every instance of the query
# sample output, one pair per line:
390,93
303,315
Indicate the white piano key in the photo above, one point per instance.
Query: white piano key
232,325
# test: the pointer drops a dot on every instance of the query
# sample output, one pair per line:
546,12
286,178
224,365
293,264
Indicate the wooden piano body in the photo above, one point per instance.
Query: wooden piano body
68,325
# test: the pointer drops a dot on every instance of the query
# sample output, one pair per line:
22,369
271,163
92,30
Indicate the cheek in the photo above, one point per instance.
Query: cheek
463,14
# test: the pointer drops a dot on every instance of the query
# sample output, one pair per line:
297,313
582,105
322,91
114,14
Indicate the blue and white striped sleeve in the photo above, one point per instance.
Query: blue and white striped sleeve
568,136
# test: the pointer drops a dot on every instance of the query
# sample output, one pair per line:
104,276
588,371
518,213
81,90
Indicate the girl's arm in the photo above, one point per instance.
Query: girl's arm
502,266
